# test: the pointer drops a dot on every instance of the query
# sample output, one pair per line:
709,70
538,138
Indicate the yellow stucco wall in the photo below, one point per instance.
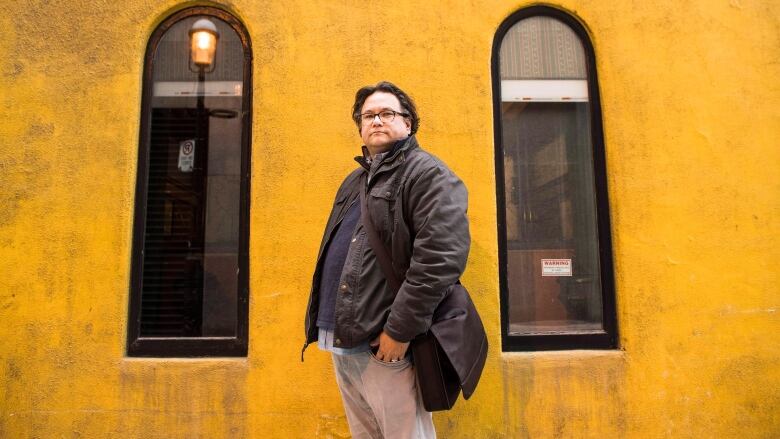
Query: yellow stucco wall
690,102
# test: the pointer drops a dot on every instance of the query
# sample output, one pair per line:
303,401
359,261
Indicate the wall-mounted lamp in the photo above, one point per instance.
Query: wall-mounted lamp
203,43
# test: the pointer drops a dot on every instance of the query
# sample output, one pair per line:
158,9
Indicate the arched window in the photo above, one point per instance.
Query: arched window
189,291
555,255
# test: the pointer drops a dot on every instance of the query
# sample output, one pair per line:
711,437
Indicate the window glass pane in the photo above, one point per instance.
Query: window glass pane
553,274
191,242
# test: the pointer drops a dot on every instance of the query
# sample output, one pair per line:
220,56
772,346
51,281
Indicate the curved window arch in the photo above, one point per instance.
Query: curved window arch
189,290
555,253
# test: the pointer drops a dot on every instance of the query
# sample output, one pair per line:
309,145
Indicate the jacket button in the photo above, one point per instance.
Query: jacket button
337,342
344,287
387,194
354,239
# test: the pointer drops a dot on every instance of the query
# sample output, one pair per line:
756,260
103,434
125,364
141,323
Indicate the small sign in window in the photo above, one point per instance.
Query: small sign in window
556,267
186,155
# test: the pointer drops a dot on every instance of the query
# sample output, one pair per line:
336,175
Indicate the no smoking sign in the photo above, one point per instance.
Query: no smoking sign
186,155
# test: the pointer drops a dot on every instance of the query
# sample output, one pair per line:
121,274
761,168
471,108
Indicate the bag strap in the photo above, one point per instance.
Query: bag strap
382,255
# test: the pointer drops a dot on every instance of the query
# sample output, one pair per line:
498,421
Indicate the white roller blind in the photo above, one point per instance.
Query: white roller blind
544,90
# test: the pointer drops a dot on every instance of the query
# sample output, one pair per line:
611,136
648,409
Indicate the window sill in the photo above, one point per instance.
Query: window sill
564,355
234,360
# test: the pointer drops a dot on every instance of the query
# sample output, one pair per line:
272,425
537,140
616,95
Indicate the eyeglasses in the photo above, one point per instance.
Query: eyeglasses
386,116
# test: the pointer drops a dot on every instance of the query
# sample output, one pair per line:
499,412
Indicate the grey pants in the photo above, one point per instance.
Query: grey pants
381,399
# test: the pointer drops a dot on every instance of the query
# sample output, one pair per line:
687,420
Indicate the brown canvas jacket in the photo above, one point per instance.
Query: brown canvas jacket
418,206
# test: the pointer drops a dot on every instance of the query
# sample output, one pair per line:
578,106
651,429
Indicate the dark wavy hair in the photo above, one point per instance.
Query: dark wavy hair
407,104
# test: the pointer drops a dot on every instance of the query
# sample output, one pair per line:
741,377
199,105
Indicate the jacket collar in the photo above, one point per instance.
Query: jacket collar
400,147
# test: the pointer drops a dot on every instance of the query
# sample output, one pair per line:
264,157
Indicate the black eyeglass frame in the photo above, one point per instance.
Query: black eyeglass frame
374,115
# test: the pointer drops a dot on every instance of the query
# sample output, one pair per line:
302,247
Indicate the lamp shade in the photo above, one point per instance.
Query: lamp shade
203,42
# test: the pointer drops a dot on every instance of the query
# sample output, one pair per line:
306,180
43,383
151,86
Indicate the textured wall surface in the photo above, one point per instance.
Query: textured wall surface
690,102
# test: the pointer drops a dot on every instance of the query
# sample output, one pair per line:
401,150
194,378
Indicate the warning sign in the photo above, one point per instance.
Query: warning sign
556,267
186,155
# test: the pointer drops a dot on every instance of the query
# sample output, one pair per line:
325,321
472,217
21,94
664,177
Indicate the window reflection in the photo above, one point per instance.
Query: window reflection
191,241
553,273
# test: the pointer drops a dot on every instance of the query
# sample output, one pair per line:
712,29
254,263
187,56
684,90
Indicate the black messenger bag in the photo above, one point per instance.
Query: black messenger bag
438,381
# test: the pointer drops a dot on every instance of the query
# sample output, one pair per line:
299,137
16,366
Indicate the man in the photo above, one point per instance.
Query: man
418,207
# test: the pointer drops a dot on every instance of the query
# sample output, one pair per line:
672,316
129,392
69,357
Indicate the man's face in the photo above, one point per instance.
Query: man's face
378,135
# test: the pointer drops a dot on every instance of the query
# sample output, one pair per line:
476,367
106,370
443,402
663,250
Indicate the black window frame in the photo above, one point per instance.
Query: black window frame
191,346
568,341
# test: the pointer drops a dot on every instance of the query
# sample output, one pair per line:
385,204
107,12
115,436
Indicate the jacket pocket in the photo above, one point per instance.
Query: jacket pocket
382,206
386,192
338,210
